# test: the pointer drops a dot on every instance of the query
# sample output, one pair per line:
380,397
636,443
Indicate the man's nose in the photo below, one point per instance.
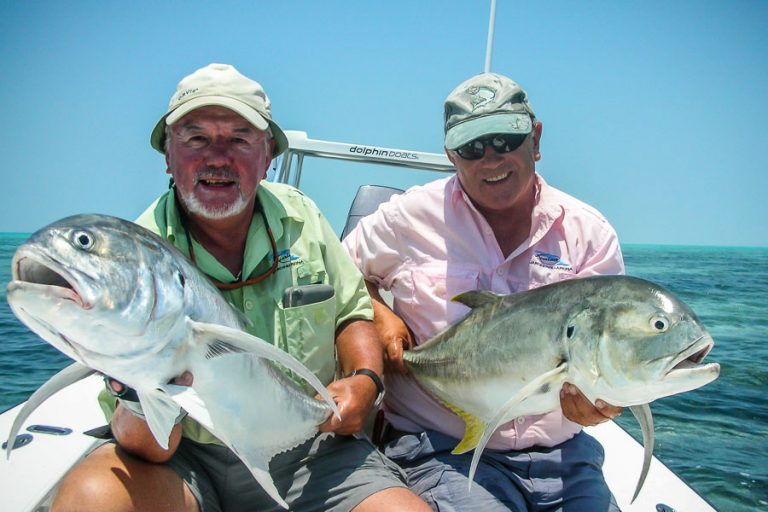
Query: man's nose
218,153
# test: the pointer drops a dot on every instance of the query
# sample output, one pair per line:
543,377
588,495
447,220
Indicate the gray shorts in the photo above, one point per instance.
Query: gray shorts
566,477
328,472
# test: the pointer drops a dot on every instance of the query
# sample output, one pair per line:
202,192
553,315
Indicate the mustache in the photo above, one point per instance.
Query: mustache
224,173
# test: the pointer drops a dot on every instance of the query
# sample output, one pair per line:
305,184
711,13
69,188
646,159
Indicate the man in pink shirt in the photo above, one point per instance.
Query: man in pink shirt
495,225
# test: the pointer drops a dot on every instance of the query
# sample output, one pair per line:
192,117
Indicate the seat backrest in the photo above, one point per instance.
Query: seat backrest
367,199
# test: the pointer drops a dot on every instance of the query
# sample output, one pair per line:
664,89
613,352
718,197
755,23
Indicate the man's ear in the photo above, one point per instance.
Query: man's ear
451,156
269,154
538,127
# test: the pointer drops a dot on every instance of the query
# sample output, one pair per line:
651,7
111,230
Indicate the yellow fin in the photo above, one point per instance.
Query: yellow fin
473,430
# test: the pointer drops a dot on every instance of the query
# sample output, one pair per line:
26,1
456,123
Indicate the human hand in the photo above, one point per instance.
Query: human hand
396,338
577,408
354,397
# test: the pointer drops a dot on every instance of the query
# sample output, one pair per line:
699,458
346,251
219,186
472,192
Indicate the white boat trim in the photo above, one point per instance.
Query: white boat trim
29,477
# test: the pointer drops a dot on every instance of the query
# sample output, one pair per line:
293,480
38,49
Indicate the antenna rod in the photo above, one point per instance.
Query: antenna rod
489,47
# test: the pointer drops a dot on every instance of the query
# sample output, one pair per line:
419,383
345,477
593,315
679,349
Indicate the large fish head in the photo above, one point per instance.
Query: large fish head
635,342
93,286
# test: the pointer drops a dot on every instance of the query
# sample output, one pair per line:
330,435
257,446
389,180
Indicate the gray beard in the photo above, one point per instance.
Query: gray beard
197,208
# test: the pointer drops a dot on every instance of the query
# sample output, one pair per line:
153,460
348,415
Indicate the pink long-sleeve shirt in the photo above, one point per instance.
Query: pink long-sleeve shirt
431,243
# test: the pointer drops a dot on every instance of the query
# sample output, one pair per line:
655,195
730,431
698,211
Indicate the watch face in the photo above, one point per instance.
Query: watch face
379,399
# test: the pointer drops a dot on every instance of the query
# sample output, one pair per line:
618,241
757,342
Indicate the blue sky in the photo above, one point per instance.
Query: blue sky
654,112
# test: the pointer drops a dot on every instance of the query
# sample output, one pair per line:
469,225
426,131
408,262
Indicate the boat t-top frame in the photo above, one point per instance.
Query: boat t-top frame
299,146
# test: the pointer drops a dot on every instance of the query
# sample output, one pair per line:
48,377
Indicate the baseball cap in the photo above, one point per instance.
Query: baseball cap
221,85
483,105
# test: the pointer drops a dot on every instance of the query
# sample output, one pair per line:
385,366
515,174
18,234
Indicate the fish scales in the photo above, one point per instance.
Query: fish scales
618,338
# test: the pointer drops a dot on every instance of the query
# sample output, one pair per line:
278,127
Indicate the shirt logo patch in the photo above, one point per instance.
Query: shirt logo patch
553,261
286,259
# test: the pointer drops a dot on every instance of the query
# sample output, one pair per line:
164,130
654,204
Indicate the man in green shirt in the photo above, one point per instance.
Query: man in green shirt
253,239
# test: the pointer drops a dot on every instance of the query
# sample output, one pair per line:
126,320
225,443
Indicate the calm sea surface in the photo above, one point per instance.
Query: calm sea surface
716,437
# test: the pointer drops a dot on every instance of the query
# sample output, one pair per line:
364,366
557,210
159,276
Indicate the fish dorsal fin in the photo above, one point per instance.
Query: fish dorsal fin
226,340
160,412
473,430
218,348
64,378
476,299
643,415
532,388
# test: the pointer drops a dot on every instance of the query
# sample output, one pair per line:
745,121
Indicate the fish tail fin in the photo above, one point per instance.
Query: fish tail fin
473,430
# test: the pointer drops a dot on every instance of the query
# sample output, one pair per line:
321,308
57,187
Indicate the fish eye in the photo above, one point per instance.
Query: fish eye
659,323
83,239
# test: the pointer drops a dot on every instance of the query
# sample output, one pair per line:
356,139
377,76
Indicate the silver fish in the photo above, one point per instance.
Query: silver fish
622,339
119,300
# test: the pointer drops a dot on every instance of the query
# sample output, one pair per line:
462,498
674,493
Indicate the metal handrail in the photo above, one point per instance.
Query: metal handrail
299,145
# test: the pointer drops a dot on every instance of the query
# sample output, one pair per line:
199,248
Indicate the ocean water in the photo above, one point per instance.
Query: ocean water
715,438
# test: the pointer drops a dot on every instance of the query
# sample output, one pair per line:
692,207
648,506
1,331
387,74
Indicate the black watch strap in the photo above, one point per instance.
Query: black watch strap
376,380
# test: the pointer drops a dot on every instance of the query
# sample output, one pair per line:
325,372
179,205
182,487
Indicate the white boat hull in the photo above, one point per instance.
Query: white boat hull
28,479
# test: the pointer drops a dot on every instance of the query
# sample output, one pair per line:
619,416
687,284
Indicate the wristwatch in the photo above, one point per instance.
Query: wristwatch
376,380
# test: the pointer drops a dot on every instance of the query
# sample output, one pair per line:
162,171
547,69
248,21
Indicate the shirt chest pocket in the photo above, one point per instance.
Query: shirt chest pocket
435,285
308,333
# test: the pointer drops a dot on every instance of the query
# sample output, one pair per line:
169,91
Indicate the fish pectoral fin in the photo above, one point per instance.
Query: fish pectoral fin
222,340
188,399
548,379
643,415
473,430
475,299
64,378
160,412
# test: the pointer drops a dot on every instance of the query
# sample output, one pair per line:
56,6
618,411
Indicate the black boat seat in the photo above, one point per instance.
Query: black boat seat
367,199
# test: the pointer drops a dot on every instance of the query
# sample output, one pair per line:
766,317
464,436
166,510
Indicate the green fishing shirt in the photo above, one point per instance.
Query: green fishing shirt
308,252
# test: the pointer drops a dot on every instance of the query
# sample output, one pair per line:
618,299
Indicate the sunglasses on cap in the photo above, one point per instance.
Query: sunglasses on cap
500,142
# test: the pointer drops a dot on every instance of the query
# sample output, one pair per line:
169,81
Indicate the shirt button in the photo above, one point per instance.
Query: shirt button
248,305
500,271
520,420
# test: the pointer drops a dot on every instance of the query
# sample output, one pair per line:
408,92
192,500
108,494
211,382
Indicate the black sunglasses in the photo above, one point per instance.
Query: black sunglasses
500,142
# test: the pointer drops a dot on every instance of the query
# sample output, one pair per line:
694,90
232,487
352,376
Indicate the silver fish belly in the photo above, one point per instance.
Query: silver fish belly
119,300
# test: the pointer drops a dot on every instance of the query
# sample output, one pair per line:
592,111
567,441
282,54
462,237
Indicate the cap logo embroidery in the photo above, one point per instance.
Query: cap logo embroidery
187,92
480,95
522,123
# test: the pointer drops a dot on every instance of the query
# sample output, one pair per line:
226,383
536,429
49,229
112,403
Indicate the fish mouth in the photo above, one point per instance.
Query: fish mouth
691,358
42,272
